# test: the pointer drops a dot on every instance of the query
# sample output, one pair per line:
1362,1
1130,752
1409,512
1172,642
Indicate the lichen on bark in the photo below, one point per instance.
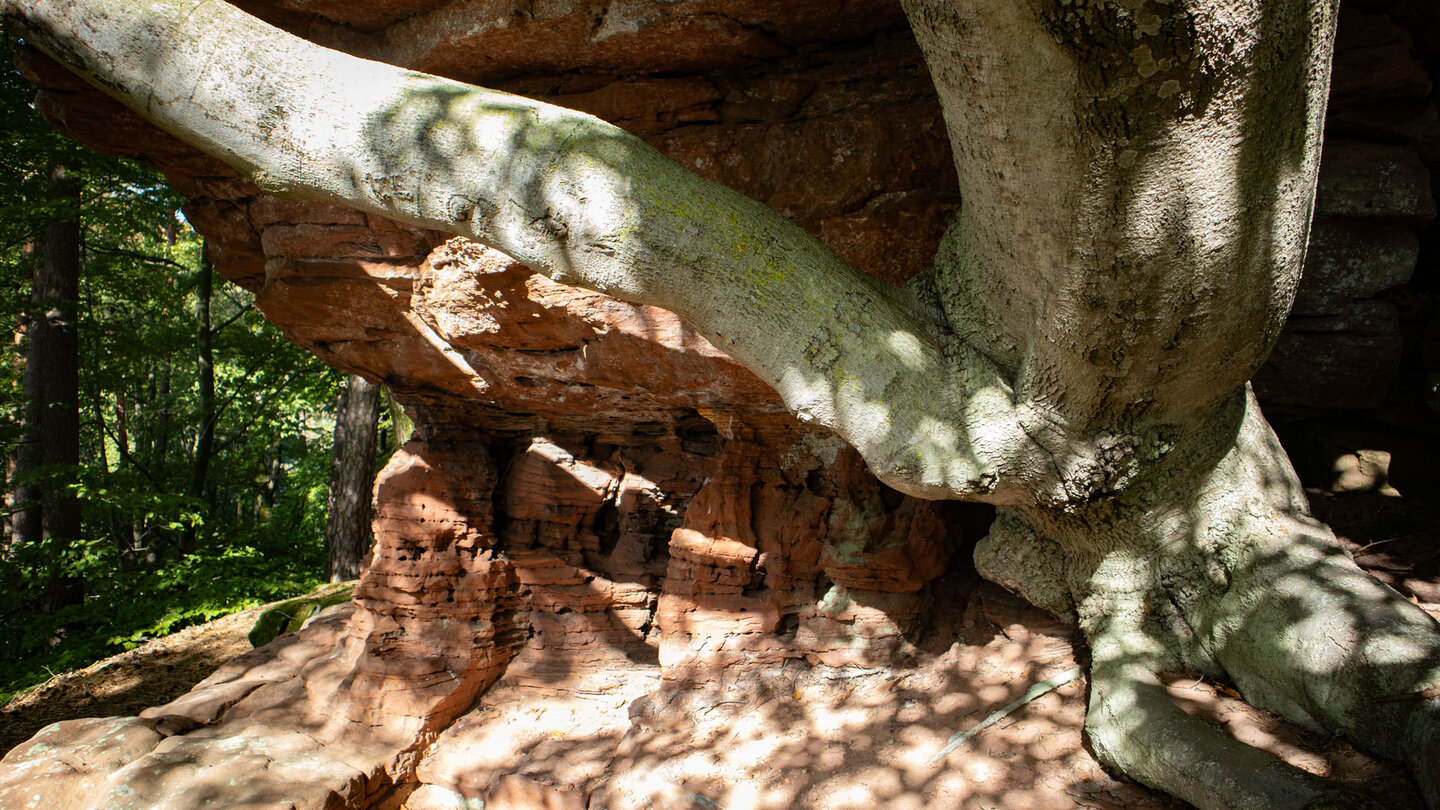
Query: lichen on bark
1137,179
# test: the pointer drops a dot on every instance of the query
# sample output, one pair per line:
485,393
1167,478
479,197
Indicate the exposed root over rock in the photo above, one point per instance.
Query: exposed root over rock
1214,566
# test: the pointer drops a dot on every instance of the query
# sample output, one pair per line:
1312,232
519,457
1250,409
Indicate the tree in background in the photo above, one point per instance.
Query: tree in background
1137,182
169,449
352,479
47,457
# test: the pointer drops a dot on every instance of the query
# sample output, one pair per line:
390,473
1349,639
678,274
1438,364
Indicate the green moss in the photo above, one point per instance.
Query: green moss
290,615
835,601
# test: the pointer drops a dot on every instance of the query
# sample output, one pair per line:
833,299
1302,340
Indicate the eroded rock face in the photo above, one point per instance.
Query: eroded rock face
592,488
1342,346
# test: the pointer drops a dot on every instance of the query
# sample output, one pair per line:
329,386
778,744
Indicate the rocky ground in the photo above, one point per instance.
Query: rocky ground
802,737
153,673
850,741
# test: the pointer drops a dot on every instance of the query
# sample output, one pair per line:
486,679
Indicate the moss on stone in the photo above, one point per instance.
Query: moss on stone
290,615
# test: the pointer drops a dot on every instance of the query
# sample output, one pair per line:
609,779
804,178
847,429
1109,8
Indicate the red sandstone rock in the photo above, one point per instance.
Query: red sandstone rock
94,749
1361,179
593,488
250,735
1343,362
1374,61
1353,259
515,792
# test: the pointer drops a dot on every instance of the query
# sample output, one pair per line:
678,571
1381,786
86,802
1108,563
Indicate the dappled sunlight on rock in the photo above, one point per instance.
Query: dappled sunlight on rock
610,570
802,735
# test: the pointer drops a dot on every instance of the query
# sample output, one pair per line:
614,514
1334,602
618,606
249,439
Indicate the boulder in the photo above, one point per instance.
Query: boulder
1379,180
1344,361
1350,260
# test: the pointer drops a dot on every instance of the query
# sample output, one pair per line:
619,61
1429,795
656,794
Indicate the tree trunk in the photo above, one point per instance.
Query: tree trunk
25,521
1166,162
205,402
160,455
49,451
1137,182
270,482
352,480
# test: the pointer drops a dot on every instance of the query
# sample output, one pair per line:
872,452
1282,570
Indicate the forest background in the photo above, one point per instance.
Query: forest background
205,439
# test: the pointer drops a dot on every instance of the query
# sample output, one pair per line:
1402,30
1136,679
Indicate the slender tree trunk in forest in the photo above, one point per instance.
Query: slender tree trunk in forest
160,454
205,402
60,295
12,464
270,481
121,524
352,479
26,520
50,443
1137,179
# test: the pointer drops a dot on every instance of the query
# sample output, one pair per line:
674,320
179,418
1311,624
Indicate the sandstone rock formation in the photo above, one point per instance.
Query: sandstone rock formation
1342,345
592,488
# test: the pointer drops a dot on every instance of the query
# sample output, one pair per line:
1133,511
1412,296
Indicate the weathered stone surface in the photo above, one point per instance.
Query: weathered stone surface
1351,260
1342,348
1374,61
545,347
490,41
67,764
1362,179
249,736
1412,122
437,612
598,502
1344,361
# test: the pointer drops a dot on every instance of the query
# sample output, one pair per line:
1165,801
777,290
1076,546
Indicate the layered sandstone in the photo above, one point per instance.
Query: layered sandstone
1343,345
594,493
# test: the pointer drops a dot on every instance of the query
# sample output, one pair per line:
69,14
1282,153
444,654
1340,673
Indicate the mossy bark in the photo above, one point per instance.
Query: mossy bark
1138,180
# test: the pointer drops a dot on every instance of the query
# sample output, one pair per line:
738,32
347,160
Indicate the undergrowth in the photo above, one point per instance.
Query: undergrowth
127,608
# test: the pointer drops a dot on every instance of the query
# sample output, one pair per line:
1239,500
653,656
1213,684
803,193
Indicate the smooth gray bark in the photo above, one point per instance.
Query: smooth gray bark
1137,180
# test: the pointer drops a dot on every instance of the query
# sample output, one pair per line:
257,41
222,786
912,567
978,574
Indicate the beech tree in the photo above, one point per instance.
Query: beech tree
1137,181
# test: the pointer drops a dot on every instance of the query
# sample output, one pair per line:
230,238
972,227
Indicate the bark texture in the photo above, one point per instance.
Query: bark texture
204,448
1138,182
48,519
352,479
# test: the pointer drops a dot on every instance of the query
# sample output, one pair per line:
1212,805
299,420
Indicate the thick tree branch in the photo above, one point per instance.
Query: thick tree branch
572,197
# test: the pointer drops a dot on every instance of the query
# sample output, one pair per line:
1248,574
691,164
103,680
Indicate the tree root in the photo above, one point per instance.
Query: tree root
1301,631
1305,632
1213,564
1422,741
1136,728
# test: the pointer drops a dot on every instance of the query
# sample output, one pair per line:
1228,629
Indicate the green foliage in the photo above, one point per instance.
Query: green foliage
154,555
123,609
